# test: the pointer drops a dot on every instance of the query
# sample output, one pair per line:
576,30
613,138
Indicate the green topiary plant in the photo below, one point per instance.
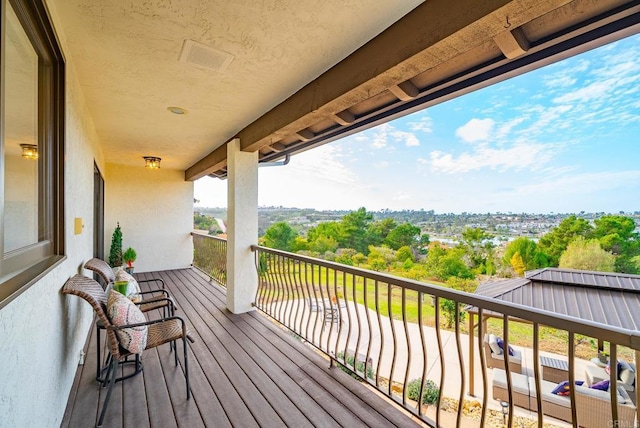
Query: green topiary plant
129,256
115,253
429,394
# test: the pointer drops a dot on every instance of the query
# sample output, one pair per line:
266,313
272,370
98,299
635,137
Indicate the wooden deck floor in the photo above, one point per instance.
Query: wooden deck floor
244,372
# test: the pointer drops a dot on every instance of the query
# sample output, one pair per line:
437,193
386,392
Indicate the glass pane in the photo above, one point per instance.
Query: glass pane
20,137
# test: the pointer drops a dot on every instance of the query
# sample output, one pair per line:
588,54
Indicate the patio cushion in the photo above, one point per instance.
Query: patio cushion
133,287
563,388
519,382
626,373
493,344
122,311
603,385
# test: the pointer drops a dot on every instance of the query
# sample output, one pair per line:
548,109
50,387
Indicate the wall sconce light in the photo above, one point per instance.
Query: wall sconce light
152,162
29,151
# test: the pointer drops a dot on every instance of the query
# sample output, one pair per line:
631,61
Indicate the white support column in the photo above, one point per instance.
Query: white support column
242,227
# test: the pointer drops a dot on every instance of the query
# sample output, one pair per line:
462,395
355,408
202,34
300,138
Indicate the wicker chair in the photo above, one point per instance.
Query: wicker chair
161,331
158,299
105,272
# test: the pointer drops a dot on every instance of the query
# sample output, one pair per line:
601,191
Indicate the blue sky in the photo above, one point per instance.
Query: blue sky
564,138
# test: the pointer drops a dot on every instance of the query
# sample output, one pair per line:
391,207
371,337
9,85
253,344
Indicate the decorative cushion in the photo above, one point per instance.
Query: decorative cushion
501,345
563,387
121,311
603,385
122,275
627,376
493,344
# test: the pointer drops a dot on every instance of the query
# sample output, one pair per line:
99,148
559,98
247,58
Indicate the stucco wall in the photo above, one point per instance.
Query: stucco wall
155,212
42,331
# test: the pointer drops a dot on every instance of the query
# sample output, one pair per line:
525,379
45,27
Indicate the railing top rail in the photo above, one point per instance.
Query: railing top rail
620,336
208,236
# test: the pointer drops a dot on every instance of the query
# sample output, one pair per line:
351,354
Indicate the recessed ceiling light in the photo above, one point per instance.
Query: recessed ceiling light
177,110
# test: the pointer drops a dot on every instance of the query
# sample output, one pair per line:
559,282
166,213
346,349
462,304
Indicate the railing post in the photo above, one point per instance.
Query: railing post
242,227
471,356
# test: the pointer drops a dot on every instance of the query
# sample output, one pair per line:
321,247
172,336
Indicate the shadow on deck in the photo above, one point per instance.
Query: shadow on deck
244,372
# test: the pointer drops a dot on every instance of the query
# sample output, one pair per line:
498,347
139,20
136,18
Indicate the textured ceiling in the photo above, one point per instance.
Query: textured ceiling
126,56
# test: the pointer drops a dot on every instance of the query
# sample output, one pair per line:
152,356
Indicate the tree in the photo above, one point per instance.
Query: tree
405,253
380,258
280,236
444,263
115,252
555,242
617,234
518,264
322,244
354,228
587,255
449,309
478,246
405,234
378,230
529,253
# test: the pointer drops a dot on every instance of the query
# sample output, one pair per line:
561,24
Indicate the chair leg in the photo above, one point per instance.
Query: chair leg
186,367
175,351
111,375
98,356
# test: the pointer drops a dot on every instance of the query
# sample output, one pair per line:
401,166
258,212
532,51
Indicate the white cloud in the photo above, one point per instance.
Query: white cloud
593,91
424,124
386,135
587,183
409,139
519,156
423,161
381,165
475,130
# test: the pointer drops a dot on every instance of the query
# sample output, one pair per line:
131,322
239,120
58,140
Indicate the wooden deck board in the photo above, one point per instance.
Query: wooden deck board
243,370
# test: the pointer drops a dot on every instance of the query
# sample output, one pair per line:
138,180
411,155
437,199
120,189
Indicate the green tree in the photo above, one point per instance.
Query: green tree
556,241
403,235
280,236
354,228
477,244
449,309
322,244
329,229
444,263
587,255
380,258
378,230
618,235
115,252
405,253
528,249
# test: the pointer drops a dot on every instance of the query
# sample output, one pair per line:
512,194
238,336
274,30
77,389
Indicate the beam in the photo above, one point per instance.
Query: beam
438,32
405,91
512,43
343,118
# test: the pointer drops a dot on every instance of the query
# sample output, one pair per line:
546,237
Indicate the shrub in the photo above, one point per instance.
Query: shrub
429,395
350,360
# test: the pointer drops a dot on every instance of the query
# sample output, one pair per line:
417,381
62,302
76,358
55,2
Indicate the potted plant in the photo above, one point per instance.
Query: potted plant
115,253
129,257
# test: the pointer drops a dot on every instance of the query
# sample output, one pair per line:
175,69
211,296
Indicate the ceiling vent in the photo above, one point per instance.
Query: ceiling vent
204,56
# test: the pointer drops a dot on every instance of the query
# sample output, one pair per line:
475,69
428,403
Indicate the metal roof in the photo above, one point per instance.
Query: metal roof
607,298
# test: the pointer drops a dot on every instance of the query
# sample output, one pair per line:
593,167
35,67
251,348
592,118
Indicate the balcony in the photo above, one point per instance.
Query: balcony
244,371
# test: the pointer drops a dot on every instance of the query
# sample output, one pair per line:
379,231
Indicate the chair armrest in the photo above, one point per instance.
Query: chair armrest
153,280
165,293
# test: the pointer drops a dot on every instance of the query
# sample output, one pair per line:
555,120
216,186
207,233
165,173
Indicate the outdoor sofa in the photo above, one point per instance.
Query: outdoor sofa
593,407
494,355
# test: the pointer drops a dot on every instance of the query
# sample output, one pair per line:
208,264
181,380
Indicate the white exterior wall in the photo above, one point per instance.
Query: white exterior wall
42,331
155,211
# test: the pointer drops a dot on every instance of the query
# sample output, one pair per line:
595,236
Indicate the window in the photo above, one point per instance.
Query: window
31,147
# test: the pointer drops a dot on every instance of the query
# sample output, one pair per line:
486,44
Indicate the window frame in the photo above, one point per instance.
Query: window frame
21,268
